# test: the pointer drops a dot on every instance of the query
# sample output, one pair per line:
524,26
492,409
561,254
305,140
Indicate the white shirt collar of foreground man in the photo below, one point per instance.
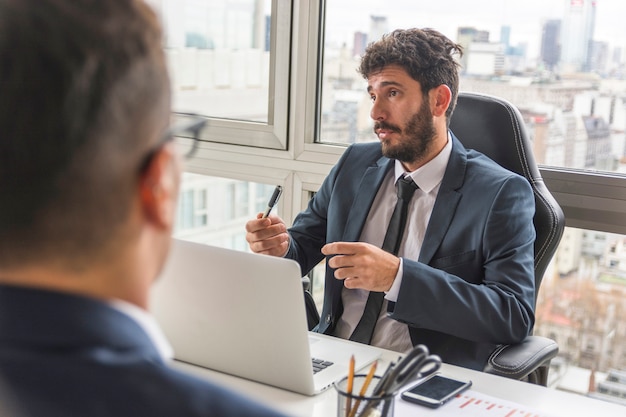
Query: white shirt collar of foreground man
148,324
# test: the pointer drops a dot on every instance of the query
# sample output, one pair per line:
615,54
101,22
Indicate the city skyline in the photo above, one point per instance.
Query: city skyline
525,18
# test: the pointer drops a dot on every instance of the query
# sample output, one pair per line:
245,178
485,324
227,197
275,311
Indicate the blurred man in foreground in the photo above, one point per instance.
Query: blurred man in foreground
88,187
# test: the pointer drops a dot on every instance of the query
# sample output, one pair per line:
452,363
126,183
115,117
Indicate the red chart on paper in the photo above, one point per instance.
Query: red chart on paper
469,404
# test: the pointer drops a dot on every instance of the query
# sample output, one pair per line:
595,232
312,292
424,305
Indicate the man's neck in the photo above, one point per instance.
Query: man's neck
103,285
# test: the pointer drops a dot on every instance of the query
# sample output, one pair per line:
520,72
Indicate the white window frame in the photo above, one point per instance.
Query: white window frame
273,134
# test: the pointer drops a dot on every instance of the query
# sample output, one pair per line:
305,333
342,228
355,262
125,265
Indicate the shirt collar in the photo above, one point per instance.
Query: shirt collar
428,176
148,324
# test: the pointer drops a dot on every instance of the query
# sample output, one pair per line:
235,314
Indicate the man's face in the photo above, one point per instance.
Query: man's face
403,119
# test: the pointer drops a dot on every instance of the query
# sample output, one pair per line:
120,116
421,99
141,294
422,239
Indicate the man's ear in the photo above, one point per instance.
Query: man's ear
440,96
158,187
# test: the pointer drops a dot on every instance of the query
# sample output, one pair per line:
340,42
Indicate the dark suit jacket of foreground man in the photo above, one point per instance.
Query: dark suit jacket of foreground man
480,231
72,356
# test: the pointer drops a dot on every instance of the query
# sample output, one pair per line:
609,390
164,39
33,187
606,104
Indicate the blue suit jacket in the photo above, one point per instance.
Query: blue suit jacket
63,355
473,284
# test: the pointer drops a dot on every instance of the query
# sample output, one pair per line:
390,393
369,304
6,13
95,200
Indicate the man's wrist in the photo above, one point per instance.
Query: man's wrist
392,294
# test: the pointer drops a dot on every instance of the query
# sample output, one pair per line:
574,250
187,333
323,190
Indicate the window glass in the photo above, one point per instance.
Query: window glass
218,52
214,210
228,61
186,210
582,305
317,284
560,61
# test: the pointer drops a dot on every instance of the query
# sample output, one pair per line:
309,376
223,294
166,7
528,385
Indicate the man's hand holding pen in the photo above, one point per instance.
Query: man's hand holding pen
267,234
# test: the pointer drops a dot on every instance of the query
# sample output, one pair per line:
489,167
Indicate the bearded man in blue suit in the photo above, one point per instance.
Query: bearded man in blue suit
462,280
88,187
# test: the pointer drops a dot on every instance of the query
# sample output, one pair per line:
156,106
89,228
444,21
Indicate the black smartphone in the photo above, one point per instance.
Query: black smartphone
435,390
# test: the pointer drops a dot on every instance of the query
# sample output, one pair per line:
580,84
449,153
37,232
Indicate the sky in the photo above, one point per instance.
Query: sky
524,16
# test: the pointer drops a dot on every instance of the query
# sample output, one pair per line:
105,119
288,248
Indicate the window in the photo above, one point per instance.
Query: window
585,294
560,62
219,220
192,211
287,121
229,62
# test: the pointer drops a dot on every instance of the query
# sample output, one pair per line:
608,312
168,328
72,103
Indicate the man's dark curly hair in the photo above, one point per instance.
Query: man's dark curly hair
425,54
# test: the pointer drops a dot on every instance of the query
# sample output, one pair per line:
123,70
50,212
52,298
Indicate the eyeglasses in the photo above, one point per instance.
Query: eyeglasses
189,129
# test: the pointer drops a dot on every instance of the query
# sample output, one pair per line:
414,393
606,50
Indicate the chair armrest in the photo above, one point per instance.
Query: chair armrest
312,315
520,360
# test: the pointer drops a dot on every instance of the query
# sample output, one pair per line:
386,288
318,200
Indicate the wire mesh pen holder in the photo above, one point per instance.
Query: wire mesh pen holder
361,402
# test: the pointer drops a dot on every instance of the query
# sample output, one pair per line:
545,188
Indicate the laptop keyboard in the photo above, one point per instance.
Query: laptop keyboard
320,364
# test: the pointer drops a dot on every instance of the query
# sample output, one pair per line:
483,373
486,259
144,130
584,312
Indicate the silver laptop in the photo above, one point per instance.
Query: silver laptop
243,314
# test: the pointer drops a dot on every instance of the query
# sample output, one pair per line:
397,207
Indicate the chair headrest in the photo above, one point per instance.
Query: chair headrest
495,127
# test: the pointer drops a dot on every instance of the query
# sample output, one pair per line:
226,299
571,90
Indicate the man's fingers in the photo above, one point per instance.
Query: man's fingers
257,224
342,248
341,261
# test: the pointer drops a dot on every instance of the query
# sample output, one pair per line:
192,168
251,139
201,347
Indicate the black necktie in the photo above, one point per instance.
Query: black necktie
405,189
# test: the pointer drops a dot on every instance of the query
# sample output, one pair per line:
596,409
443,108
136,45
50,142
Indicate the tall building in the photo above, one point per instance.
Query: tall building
360,43
551,43
505,38
598,155
616,56
578,28
466,35
378,27
484,59
599,57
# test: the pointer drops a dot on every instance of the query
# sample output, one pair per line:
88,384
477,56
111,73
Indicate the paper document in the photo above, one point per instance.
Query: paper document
469,404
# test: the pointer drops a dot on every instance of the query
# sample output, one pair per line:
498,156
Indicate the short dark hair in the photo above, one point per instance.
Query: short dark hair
425,54
82,85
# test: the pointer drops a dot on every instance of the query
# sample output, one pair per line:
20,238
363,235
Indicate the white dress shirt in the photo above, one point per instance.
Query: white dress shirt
390,334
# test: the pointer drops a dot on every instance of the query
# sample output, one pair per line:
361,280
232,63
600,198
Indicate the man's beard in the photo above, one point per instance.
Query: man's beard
417,137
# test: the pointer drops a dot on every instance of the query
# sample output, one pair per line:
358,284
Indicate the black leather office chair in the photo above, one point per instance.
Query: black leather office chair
495,127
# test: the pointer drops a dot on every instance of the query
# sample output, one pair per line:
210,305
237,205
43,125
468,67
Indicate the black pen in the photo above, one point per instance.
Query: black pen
273,200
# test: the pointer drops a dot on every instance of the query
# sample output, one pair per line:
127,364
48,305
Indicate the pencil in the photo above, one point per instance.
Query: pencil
368,379
350,384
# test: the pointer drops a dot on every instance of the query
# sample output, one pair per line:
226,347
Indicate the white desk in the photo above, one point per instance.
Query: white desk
549,401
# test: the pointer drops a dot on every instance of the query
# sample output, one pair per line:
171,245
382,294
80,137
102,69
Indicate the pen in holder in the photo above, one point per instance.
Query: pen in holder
376,394
362,398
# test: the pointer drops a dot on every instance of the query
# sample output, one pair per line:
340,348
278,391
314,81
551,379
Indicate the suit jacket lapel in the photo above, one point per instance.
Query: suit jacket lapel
447,201
368,188
366,192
